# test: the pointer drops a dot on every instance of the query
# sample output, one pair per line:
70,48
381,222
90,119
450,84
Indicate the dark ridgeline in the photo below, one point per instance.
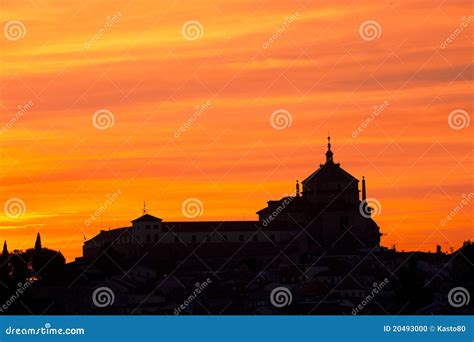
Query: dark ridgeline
320,245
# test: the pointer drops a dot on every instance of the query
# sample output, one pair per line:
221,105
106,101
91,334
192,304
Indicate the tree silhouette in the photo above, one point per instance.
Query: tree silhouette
5,267
47,264
19,268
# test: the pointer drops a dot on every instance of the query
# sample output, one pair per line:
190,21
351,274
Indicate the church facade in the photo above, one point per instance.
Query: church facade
331,209
324,214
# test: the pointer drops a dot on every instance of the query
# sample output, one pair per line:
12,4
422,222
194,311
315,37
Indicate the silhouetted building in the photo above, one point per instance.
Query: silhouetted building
325,216
329,209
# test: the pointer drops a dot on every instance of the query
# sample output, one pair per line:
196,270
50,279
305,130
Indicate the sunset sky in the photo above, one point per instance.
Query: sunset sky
150,66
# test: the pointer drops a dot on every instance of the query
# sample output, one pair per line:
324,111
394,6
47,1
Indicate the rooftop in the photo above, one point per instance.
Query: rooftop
147,218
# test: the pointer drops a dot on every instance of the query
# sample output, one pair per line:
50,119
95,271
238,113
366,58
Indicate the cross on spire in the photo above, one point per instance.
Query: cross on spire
329,153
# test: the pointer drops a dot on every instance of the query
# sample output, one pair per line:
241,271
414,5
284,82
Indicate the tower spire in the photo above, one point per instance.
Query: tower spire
364,194
144,207
329,154
297,188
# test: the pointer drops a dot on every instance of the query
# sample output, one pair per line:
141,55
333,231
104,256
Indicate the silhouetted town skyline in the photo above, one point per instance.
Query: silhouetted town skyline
316,251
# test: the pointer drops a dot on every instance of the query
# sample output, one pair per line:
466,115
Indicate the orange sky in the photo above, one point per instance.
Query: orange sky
132,59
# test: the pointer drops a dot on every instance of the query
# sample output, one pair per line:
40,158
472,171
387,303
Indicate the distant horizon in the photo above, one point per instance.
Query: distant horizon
146,210
381,244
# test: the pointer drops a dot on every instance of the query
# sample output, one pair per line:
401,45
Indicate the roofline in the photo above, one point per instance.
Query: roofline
154,218
211,222
322,165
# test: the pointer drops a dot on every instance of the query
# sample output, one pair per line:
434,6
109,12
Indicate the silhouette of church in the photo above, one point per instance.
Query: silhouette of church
319,243
327,211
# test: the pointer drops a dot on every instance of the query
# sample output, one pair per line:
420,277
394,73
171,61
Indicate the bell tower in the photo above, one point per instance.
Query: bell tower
329,154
